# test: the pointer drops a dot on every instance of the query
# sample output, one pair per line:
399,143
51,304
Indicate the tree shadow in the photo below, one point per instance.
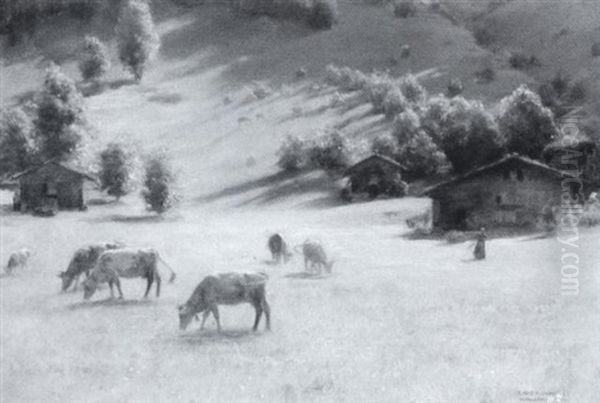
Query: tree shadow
110,302
132,219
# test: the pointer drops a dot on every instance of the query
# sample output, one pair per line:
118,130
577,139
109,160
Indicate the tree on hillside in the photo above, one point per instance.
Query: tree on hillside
115,170
94,62
527,125
158,181
16,145
137,38
469,135
406,126
420,156
59,108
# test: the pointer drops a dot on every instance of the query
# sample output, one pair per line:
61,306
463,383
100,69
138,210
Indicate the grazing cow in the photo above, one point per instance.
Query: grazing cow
126,263
83,261
315,255
17,260
227,289
278,248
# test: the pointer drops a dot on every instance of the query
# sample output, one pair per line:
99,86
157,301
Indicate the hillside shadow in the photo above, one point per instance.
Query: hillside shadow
110,302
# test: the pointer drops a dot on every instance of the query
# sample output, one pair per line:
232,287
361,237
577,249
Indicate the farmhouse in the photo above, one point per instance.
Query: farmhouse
376,175
575,152
514,191
51,185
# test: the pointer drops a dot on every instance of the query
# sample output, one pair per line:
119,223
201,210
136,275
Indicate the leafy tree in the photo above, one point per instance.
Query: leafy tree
412,90
16,145
420,156
157,183
432,114
527,125
59,108
137,38
406,125
385,145
94,61
115,170
323,14
330,153
292,154
469,135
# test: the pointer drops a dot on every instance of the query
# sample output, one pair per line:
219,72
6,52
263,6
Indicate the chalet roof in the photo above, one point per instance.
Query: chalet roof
375,157
504,160
63,165
568,142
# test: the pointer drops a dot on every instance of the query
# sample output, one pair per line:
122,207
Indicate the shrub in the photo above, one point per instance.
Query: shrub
577,91
404,8
345,78
432,114
115,170
158,180
292,154
376,89
590,216
596,49
405,51
483,36
16,145
519,60
406,126
94,60
469,135
454,88
330,152
323,14
412,90
485,75
560,83
59,111
527,125
137,38
420,156
385,145
394,103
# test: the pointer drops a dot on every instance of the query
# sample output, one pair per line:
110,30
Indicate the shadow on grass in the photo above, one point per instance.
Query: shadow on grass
110,302
212,336
132,219
303,275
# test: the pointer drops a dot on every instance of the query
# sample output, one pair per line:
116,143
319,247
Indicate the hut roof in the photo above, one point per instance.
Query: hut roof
62,165
373,158
488,167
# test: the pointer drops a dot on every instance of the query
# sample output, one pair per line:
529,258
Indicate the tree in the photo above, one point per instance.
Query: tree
157,182
59,115
94,61
469,135
292,154
527,125
16,145
137,38
115,170
420,156
406,125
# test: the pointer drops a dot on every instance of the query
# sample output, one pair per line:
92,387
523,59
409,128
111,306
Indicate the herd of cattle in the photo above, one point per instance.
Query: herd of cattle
108,262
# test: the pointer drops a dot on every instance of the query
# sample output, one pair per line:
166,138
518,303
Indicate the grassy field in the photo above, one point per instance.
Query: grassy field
399,320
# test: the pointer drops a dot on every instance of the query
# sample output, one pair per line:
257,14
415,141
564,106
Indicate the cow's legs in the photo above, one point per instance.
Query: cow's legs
258,309
118,284
158,281
215,311
150,279
305,264
76,282
112,293
265,306
204,317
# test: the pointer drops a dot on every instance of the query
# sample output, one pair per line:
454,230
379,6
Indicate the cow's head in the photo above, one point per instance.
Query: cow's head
66,280
89,287
186,314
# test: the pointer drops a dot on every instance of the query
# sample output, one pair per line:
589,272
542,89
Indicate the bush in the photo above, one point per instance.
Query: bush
330,152
454,88
345,78
483,36
137,38
485,75
394,103
404,8
115,170
578,91
412,90
518,60
323,14
157,183
59,113
292,155
596,49
376,89
432,114
94,60
420,156
527,125
469,135
406,126
385,145
590,216
16,145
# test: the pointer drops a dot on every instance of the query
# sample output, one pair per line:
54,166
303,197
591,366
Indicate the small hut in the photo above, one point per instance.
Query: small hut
375,175
514,191
51,185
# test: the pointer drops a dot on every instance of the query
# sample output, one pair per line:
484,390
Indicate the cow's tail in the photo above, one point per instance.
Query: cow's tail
173,275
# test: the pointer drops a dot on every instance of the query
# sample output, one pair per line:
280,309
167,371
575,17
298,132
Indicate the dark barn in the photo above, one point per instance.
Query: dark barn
376,175
512,192
51,185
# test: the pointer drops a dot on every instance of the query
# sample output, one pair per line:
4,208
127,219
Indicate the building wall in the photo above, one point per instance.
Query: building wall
502,198
361,179
52,184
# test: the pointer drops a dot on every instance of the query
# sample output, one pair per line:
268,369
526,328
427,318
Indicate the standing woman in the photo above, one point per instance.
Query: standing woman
479,251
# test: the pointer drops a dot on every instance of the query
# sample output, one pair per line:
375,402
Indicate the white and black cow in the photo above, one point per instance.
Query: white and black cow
125,263
84,259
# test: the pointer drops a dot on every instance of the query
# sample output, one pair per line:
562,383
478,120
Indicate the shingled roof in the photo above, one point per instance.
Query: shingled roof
374,157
